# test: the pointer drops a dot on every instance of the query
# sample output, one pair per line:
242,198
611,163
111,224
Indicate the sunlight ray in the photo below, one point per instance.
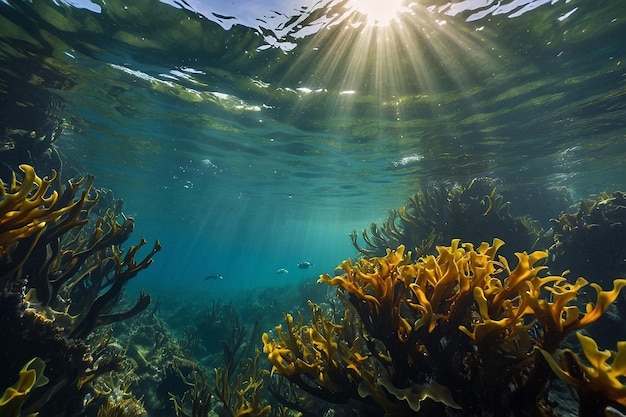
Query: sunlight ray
417,53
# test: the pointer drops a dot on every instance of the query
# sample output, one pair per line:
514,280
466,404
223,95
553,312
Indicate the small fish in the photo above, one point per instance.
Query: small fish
218,276
282,271
305,265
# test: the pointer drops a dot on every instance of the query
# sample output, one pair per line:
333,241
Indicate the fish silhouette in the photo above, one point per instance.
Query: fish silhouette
218,276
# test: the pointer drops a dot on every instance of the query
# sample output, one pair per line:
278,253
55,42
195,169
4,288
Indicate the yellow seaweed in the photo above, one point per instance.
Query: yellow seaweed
31,376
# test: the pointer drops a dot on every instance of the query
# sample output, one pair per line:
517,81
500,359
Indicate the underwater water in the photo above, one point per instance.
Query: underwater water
251,136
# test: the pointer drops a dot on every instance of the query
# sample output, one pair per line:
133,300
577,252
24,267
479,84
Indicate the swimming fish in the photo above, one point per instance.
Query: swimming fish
305,265
282,271
218,276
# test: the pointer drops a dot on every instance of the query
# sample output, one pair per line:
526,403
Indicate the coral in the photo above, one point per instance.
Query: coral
477,211
599,384
459,328
31,376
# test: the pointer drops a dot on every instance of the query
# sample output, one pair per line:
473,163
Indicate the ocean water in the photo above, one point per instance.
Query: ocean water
251,136
251,139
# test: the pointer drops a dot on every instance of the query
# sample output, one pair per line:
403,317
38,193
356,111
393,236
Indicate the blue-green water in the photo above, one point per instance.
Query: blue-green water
251,137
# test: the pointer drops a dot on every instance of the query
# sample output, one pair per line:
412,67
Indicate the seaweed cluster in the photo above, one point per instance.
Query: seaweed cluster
217,339
460,330
475,212
597,382
589,242
62,273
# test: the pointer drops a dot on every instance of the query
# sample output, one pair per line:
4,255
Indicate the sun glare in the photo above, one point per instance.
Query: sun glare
379,12
398,66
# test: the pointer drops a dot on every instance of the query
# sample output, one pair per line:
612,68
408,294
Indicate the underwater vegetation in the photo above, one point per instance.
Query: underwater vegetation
475,212
462,330
210,330
586,242
62,272
218,339
69,343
